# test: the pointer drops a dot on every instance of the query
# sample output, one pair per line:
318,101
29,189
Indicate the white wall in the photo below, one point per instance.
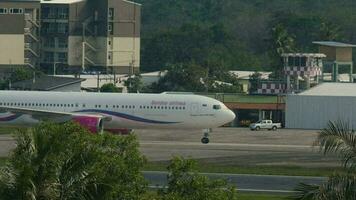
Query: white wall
123,49
12,49
314,112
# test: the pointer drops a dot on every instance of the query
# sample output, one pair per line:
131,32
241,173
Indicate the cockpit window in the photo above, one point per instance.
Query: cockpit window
216,107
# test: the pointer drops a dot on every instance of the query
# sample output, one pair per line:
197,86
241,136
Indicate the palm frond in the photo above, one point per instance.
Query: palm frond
337,187
339,138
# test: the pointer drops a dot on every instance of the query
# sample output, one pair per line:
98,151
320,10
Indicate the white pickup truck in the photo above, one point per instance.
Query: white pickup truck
265,124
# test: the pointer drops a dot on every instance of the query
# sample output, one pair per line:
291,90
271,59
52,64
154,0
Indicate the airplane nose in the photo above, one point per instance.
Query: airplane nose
231,115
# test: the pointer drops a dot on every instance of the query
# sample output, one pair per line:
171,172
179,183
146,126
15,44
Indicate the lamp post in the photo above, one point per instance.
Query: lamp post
54,67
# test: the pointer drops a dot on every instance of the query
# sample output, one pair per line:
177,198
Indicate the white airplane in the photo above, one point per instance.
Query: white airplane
114,111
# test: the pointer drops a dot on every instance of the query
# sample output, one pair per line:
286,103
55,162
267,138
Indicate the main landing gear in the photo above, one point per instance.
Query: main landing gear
205,139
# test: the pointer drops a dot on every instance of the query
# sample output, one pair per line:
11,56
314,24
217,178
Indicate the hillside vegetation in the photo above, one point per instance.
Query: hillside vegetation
239,34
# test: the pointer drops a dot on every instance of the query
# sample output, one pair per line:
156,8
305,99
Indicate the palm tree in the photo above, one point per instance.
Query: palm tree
340,139
65,161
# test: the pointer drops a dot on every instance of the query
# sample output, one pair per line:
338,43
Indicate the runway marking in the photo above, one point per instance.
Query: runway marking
238,189
169,143
256,175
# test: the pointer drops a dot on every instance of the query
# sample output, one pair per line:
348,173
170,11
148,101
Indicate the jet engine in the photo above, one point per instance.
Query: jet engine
93,123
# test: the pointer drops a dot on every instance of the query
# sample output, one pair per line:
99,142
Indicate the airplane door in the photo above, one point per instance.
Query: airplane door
194,108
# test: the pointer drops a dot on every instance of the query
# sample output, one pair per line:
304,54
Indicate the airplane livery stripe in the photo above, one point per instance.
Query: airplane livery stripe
129,117
9,118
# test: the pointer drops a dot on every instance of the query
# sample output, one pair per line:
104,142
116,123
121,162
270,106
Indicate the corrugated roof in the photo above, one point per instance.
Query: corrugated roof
46,83
60,1
333,44
331,89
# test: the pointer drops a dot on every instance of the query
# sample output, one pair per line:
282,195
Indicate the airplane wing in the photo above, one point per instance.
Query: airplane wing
45,115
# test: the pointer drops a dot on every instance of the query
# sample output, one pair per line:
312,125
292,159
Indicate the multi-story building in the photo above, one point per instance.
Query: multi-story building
19,34
78,34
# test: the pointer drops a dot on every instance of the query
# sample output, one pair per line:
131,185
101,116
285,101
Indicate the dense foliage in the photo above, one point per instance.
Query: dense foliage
192,77
184,183
240,34
134,84
109,87
67,162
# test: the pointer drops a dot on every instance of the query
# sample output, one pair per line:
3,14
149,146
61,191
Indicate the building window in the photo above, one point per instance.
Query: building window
45,12
111,14
62,43
48,57
49,42
62,13
51,28
62,57
16,10
62,27
110,28
3,11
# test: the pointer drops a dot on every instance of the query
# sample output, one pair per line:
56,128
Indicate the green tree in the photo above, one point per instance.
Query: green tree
134,84
281,42
182,78
338,138
109,87
19,74
184,183
329,32
67,162
254,80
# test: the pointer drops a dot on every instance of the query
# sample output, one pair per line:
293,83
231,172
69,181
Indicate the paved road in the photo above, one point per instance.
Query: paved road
228,147
245,182
236,147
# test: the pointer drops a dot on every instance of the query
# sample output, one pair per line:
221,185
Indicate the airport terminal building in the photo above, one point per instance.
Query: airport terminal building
314,108
78,34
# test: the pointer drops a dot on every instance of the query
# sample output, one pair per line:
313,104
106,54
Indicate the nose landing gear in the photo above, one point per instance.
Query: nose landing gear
205,139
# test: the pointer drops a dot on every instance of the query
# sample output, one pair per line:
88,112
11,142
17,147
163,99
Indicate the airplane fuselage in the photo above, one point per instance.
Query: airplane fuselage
132,111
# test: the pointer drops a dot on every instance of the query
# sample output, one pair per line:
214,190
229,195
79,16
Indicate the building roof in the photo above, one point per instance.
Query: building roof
315,55
20,0
138,4
61,1
246,74
333,44
46,83
91,80
331,89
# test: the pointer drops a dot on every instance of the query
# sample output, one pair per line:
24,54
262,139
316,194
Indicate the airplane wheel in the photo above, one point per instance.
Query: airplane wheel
205,140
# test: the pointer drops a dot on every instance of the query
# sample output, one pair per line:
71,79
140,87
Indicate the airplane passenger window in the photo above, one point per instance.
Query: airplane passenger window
216,107
83,105
107,106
